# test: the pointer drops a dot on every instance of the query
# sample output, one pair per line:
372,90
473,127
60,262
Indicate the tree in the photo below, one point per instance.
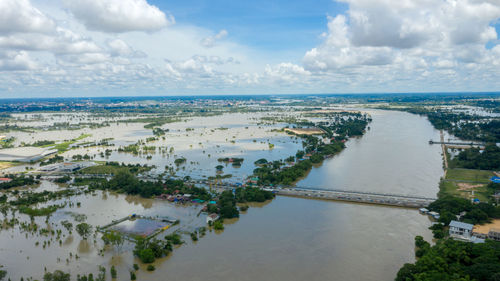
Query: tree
84,229
56,276
218,225
113,272
146,255
113,237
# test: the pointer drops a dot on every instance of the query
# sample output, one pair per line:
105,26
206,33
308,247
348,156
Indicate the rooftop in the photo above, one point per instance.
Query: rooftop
461,225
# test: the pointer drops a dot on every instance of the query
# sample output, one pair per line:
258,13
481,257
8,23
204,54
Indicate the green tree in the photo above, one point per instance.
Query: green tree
84,229
57,275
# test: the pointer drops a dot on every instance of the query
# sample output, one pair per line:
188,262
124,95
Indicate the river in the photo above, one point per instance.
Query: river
285,239
303,239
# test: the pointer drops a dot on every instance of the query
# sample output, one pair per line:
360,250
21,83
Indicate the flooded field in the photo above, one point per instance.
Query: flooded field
285,239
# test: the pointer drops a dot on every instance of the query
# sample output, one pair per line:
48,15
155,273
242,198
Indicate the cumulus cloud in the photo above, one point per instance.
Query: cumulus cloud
210,41
21,16
62,41
14,61
119,47
118,16
440,42
286,72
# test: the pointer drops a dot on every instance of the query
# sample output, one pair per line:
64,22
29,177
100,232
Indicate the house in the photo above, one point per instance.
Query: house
5,180
212,218
494,234
435,215
423,210
460,229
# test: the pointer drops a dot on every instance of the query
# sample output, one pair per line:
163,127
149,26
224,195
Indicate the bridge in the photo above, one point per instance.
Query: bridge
358,196
399,200
456,143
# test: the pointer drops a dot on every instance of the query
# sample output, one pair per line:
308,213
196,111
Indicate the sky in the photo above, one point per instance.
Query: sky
73,48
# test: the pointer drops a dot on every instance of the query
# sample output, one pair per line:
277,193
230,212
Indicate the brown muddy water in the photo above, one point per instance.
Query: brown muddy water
286,239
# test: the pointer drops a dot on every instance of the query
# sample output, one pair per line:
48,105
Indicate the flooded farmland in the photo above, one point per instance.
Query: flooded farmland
285,239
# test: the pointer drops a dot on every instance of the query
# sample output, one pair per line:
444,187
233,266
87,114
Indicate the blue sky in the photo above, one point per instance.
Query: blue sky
153,47
267,25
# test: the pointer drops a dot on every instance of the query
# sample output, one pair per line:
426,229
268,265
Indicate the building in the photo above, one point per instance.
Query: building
69,167
435,215
494,234
5,180
460,230
212,218
25,154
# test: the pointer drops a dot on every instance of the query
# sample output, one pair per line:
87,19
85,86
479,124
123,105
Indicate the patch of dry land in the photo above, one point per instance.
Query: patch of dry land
485,228
5,165
305,131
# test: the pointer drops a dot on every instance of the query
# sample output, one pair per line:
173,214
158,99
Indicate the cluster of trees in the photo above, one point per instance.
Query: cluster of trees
113,167
179,161
473,158
63,179
227,205
462,125
52,160
252,194
17,181
34,212
43,143
147,250
235,161
449,207
159,131
30,198
453,260
126,182
80,157
272,174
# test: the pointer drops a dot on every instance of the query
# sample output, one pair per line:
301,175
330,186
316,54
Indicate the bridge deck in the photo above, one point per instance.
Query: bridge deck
360,197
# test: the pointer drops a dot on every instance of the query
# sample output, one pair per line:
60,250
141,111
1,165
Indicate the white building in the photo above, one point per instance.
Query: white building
212,218
460,230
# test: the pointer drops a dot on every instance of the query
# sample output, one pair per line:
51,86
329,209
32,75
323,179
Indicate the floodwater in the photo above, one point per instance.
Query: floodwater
285,239
394,156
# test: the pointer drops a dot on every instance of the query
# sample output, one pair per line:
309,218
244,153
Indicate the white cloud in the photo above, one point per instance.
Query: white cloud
14,61
431,42
118,16
118,47
210,41
21,16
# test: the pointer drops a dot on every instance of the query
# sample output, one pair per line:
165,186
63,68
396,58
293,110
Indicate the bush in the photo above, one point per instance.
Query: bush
151,267
218,225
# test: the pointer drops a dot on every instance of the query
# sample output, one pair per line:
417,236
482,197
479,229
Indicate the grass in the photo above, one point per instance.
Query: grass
455,176
469,175
112,169
103,169
5,165
64,146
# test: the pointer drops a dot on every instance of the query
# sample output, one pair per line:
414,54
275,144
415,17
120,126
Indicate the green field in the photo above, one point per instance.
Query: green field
455,177
103,169
468,175
62,147
113,169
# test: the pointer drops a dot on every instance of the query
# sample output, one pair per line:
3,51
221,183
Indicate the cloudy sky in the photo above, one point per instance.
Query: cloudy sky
188,47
